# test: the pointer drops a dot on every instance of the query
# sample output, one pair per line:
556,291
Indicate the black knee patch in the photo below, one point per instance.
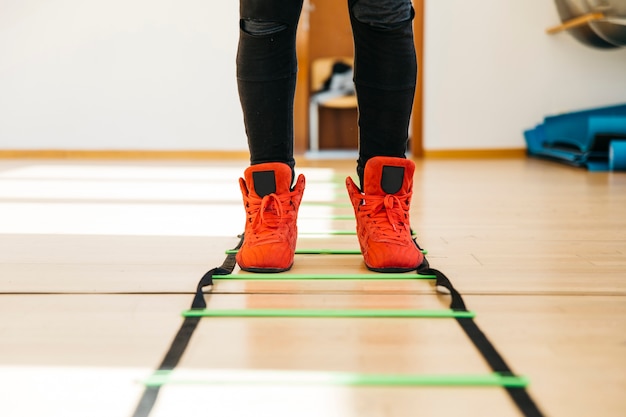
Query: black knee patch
261,28
268,11
382,14
267,39
384,58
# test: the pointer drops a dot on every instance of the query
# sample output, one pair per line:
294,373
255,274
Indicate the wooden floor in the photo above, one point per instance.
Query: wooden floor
99,259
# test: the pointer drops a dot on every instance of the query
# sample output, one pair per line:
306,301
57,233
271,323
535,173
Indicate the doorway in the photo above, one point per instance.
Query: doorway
324,31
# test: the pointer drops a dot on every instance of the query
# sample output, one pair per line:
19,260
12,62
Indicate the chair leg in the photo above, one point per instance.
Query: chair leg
314,138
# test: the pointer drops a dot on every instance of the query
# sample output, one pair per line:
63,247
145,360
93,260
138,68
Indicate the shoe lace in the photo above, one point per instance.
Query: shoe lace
267,215
388,219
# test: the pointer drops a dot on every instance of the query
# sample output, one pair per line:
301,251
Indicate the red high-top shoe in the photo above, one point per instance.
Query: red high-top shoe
382,215
271,214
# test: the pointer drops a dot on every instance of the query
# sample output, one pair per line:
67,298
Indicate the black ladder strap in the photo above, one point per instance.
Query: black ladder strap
497,363
490,354
182,338
226,268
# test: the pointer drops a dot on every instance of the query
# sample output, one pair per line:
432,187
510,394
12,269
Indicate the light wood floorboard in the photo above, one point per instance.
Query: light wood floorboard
99,258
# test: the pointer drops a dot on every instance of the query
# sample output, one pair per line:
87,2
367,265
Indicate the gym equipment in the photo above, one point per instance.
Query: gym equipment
592,138
599,24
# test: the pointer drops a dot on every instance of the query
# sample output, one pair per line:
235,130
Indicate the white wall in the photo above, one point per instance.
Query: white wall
119,74
491,72
160,74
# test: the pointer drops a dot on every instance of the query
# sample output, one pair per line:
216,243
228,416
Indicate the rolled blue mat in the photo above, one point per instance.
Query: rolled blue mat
617,155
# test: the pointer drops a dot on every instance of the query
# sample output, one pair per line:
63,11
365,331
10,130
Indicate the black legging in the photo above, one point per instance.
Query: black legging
385,70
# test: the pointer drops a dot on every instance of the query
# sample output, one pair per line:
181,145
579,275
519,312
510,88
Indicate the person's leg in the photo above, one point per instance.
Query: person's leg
266,77
385,75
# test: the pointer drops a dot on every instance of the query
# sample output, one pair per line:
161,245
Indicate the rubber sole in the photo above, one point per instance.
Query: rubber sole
266,270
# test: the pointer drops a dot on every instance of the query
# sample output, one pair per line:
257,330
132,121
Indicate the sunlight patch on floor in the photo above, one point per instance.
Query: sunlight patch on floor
139,200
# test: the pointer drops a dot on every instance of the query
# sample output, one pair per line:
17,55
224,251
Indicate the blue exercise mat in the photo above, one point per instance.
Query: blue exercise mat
591,138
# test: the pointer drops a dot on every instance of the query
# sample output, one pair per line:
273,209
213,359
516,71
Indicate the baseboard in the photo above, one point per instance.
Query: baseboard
509,153
121,154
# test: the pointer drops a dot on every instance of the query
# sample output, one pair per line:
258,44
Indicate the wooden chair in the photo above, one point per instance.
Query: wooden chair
321,70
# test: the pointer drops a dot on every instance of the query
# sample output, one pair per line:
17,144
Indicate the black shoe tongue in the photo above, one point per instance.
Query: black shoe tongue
268,178
391,179
264,182
387,175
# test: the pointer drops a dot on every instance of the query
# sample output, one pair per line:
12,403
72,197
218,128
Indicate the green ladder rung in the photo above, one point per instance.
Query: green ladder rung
331,217
334,233
330,232
290,276
325,313
161,378
315,251
325,203
320,252
342,217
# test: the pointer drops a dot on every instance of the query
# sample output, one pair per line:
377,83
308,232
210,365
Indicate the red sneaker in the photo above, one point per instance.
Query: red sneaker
271,214
382,215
